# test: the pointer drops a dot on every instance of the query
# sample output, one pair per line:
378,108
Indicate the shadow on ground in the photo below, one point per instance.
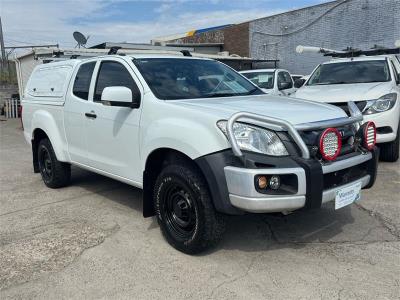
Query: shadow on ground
251,232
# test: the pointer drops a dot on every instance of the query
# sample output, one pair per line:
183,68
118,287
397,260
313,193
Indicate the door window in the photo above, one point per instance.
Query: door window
284,81
112,73
82,80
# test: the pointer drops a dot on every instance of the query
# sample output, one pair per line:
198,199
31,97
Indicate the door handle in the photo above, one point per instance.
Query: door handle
91,115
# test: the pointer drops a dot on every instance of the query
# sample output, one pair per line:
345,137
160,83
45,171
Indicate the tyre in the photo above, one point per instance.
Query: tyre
55,174
184,209
390,151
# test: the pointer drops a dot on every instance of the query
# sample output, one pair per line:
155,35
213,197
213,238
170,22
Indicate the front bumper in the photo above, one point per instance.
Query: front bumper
311,190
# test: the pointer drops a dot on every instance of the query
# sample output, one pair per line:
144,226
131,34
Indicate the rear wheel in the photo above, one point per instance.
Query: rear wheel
185,212
54,173
390,151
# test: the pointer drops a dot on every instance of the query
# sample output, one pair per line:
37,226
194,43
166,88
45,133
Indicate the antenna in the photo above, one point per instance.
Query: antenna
80,39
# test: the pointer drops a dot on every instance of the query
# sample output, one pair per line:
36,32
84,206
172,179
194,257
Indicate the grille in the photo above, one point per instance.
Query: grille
343,105
311,138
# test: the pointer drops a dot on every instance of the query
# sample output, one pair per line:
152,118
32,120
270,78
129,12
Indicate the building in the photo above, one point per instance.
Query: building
335,25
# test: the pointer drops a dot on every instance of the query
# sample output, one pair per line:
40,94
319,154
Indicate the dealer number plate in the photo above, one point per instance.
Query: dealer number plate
347,195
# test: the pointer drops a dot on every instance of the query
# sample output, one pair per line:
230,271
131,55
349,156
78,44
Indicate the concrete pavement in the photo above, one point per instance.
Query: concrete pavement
89,240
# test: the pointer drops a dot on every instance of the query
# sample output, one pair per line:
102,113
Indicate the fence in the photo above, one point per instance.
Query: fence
11,108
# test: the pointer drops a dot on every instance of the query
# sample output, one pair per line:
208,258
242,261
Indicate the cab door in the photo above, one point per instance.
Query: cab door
75,108
113,128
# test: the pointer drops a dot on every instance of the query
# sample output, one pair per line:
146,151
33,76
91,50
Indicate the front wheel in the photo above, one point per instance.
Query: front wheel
184,209
390,151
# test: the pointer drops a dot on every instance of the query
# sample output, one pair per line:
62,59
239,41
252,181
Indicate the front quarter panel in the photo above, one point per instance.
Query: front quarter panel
185,130
186,136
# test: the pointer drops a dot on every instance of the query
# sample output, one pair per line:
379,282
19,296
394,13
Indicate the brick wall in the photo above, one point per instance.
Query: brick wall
235,38
355,23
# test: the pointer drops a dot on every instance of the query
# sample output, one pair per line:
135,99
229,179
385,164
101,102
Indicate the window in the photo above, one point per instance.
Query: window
82,80
187,78
351,72
263,80
112,73
284,81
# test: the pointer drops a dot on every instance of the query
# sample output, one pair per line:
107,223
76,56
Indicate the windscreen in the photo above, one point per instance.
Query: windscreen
263,80
175,78
351,72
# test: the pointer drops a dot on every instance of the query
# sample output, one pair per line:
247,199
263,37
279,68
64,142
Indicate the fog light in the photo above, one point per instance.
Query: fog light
262,182
275,182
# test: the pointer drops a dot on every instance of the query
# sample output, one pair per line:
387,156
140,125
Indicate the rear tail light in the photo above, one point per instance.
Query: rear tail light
330,144
369,135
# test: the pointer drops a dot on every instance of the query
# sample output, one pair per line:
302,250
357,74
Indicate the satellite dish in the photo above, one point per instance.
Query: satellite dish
80,39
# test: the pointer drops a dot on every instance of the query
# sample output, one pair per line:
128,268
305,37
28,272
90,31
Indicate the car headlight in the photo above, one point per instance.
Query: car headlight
255,139
382,104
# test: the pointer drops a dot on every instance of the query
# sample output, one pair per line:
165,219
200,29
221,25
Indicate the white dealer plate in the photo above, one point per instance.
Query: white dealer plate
347,195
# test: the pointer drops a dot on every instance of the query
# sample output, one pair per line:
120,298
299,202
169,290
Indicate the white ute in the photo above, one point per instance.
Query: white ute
200,140
369,78
272,81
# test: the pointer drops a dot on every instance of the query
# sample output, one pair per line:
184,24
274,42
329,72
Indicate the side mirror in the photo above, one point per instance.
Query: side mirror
121,96
299,82
284,85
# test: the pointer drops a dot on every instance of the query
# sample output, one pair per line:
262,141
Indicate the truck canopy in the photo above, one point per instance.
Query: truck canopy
49,82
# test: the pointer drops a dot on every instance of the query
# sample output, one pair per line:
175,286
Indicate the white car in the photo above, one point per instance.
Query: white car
373,83
199,139
272,81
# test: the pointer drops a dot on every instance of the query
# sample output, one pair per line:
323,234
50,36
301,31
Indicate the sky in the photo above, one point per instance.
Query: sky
27,22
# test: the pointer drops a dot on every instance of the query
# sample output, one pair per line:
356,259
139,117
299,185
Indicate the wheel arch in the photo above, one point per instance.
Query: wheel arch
155,162
45,123
37,135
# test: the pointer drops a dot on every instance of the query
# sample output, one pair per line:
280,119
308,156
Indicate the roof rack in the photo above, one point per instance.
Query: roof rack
351,52
113,50
185,52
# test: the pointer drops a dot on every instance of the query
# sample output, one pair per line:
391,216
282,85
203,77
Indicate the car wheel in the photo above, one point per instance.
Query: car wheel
390,151
55,174
184,209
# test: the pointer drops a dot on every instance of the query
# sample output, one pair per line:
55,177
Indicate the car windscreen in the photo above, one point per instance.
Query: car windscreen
351,72
176,78
263,80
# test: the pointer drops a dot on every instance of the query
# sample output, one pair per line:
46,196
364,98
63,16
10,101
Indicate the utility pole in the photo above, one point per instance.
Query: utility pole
3,50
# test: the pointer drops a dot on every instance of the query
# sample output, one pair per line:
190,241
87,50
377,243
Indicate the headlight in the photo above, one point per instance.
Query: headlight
255,139
382,104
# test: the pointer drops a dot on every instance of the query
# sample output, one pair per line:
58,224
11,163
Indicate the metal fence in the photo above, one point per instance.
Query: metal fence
11,108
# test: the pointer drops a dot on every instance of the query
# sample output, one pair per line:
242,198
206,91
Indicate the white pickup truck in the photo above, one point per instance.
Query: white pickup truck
200,140
372,82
